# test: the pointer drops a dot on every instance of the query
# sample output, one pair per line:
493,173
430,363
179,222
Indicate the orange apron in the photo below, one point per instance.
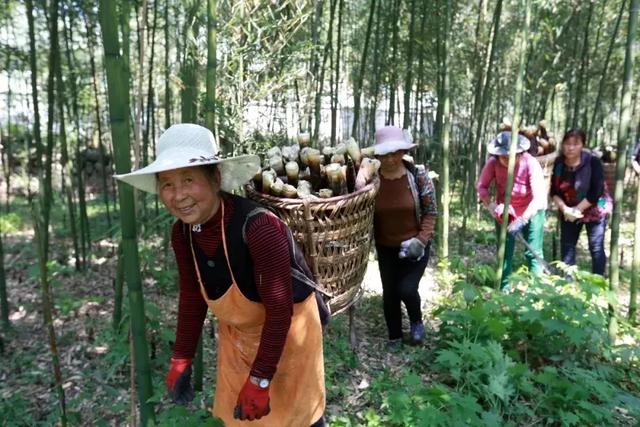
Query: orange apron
297,391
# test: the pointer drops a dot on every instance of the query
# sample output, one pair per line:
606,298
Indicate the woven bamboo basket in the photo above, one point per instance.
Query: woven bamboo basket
609,170
546,162
335,235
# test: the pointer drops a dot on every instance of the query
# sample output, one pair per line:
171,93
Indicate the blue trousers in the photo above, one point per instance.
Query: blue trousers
569,234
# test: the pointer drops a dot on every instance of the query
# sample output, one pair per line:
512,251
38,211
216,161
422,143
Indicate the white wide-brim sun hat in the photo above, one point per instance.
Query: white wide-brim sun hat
390,139
186,145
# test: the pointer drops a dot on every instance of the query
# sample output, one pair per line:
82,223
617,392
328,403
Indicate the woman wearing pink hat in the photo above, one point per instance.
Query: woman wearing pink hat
234,258
404,223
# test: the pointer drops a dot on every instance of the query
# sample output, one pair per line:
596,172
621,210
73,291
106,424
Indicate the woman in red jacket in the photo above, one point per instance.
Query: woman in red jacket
234,259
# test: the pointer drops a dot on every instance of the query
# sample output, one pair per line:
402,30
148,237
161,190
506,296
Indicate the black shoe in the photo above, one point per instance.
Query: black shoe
394,345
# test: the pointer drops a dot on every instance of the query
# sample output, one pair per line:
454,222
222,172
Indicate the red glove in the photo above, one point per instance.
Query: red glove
253,402
178,381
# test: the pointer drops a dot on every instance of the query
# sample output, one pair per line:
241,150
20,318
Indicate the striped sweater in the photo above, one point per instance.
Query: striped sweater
268,246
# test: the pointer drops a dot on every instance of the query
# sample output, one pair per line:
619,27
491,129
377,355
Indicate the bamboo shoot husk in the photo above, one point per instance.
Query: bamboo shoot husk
354,151
368,152
304,189
292,171
274,151
368,170
276,164
290,191
277,188
304,139
325,193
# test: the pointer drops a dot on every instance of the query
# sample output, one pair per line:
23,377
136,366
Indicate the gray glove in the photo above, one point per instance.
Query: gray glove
412,249
572,214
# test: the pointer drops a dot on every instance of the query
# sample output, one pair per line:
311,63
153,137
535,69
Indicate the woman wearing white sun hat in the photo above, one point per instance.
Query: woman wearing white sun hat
234,258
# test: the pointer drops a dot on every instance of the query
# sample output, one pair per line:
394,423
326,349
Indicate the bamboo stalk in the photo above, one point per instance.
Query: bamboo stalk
624,132
118,94
524,36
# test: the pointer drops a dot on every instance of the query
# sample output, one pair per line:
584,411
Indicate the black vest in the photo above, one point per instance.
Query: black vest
214,270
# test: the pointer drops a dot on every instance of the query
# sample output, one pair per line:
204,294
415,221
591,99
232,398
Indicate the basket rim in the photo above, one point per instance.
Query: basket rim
249,186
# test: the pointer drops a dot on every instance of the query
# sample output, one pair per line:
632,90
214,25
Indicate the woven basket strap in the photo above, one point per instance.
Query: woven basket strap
296,271
224,241
311,239
195,264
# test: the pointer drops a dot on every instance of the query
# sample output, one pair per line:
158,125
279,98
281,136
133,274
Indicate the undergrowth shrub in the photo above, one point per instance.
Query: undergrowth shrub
539,355
549,322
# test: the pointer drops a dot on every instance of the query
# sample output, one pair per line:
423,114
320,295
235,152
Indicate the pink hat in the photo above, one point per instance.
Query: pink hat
390,139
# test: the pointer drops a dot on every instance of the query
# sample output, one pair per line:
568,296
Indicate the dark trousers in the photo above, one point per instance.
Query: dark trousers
400,279
320,423
569,234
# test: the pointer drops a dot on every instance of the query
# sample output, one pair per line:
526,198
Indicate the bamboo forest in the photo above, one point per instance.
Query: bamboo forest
301,213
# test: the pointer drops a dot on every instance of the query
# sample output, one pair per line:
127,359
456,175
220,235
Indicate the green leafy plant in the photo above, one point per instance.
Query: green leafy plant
11,222
179,416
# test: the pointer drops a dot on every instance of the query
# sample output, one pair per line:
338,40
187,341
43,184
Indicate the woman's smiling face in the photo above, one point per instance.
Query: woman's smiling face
189,194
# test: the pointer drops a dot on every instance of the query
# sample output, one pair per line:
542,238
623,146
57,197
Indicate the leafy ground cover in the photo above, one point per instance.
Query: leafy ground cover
539,355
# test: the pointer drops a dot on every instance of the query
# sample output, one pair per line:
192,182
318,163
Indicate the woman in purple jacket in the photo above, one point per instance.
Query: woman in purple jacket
579,191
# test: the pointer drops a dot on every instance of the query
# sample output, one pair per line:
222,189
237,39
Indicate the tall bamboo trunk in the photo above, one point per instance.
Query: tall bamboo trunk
482,96
357,89
584,64
336,76
42,208
572,80
314,66
149,121
212,64
67,188
437,131
4,300
635,266
6,147
393,79
189,111
421,78
118,285
123,9
167,68
118,95
168,99
96,107
36,111
604,74
524,38
240,73
150,111
379,50
444,188
408,82
139,107
83,221
624,132
189,72
482,103
33,67
326,55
